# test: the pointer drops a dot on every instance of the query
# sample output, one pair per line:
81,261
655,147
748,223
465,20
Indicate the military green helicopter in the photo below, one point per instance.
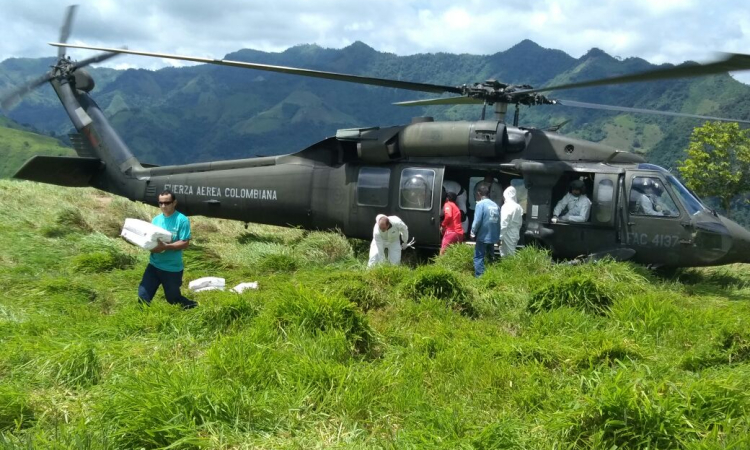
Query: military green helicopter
344,181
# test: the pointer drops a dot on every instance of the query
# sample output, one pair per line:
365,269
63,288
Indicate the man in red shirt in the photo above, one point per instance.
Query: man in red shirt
451,225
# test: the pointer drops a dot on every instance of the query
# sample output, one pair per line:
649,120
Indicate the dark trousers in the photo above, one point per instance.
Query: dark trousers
171,281
482,250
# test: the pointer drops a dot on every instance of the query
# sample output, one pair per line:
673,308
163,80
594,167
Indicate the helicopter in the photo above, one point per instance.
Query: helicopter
344,181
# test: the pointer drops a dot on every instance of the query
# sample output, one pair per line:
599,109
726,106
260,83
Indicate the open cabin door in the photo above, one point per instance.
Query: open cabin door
413,194
418,202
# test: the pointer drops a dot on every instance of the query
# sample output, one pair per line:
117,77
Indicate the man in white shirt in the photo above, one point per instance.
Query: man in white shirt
575,205
390,233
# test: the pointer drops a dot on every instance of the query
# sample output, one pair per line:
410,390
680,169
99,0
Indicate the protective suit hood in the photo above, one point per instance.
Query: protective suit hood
510,194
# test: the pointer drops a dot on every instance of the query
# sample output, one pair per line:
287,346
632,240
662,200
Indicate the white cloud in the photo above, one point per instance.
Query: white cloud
656,30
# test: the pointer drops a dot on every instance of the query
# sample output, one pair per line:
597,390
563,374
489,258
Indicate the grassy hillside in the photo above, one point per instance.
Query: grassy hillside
17,145
325,354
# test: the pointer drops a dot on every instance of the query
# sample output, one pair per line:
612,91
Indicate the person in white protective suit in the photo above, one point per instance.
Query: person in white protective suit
390,233
511,219
461,199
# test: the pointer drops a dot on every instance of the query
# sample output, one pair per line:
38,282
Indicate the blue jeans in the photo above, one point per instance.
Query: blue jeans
482,250
171,281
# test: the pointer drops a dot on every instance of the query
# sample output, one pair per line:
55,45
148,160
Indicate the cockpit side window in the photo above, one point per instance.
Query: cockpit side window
648,197
691,203
415,189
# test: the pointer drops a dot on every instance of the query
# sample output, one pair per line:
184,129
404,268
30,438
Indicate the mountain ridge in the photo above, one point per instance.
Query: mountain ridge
190,114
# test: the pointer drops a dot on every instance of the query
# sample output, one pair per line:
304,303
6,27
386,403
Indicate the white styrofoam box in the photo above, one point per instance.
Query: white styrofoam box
144,234
206,282
244,286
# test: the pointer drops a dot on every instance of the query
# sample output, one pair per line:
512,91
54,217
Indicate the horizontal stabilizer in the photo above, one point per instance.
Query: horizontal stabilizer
60,170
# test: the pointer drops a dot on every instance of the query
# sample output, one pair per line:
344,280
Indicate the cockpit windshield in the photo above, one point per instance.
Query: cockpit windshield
692,204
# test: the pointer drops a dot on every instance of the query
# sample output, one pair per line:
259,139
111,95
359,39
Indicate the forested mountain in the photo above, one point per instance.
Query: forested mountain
200,113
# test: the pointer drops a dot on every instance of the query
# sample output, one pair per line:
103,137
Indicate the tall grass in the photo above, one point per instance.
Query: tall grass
328,354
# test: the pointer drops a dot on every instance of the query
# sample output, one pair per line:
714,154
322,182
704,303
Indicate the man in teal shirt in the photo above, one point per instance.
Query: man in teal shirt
165,265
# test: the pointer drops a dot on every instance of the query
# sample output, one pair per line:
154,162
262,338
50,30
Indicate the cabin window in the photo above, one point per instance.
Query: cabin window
605,194
416,189
372,186
648,197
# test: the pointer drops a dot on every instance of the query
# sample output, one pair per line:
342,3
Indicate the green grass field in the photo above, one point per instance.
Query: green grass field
325,354
17,146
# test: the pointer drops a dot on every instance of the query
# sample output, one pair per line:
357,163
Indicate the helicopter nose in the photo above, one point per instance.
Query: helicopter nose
740,251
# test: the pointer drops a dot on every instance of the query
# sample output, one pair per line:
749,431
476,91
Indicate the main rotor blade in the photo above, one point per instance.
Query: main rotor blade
442,101
730,63
94,59
643,111
10,99
424,87
65,30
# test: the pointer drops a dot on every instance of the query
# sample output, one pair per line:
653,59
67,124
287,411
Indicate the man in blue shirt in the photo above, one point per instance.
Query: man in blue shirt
485,229
165,265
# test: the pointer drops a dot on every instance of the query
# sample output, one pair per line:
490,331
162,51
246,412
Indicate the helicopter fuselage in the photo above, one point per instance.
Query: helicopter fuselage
343,182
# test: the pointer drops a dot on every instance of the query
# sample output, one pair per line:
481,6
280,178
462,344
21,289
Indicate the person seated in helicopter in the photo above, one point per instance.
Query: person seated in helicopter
575,205
651,199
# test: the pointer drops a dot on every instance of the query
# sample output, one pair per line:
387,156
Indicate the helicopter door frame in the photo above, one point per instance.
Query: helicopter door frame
409,201
656,239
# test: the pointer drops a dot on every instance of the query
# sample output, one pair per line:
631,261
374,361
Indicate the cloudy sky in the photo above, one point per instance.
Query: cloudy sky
656,30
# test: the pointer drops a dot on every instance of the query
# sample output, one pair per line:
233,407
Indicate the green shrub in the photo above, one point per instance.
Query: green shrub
104,261
442,284
230,309
457,259
358,289
498,436
198,258
69,288
609,353
15,409
731,346
387,276
314,312
582,292
175,407
324,248
278,262
628,411
242,358
77,366
68,220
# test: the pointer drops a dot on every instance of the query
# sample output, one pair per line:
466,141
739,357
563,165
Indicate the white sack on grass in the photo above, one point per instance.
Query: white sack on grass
240,288
144,234
207,282
210,288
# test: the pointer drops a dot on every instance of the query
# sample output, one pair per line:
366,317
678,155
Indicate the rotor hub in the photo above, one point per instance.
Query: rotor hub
493,91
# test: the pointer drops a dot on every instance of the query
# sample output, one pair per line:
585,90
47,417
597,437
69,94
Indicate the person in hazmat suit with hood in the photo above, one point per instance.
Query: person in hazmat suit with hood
511,219
390,233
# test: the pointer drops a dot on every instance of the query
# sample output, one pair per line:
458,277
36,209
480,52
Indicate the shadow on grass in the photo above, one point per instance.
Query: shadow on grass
714,282
249,237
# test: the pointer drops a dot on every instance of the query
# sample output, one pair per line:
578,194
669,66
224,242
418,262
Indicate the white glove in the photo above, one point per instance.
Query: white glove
554,219
405,245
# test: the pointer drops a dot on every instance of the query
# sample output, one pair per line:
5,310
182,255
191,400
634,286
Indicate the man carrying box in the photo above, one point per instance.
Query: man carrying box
165,265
